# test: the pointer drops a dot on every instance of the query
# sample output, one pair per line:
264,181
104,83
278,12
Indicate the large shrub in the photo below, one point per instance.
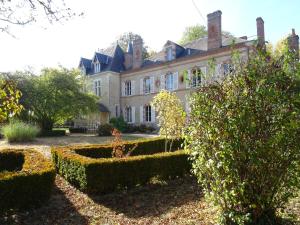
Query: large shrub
26,179
105,130
119,123
17,131
244,139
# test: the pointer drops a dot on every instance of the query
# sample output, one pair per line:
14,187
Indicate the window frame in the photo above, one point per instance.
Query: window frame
128,88
169,53
196,77
168,82
128,114
97,88
148,112
147,90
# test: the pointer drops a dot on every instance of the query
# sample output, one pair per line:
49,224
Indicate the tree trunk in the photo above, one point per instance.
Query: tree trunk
46,125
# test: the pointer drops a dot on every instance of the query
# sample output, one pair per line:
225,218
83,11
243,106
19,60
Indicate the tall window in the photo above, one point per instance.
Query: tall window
128,88
128,114
117,110
196,77
147,110
169,54
227,68
97,67
147,85
169,82
97,86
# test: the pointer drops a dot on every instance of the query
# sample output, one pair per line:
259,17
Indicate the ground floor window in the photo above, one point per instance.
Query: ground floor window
147,109
128,114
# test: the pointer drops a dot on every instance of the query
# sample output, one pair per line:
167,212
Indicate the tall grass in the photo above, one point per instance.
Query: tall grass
18,131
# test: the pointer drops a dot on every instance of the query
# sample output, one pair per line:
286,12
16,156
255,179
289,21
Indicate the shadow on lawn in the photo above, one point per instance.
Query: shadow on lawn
58,211
151,200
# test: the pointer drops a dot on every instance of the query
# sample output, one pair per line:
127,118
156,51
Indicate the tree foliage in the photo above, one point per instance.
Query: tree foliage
23,12
54,96
128,37
170,114
244,139
195,32
9,99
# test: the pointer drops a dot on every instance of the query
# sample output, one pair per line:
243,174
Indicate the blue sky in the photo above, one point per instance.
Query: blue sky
156,21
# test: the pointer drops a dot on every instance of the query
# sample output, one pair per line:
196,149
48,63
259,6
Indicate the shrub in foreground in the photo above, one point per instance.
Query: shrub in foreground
26,179
105,130
106,174
244,140
17,131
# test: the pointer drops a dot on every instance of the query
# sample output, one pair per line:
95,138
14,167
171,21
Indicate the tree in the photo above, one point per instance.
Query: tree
54,96
171,116
9,99
197,31
128,37
243,137
23,12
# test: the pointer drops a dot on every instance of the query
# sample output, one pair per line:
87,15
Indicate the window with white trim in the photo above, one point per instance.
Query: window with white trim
196,77
227,68
169,82
128,87
169,53
97,87
97,67
147,110
147,85
128,114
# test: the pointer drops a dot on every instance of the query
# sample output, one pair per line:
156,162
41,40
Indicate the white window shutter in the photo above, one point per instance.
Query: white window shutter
175,80
133,87
162,82
152,114
123,88
188,81
151,84
133,114
141,86
141,114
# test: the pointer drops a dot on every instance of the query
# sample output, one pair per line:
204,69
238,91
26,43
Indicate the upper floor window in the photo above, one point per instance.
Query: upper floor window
196,77
169,53
170,81
227,68
97,67
128,114
97,86
147,85
147,110
128,88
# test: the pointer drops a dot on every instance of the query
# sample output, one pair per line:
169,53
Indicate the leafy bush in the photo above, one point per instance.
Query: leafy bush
17,131
105,130
106,174
142,128
78,130
31,185
244,140
119,123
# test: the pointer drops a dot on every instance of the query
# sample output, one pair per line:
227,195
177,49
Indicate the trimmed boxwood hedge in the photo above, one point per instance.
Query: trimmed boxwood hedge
26,179
106,174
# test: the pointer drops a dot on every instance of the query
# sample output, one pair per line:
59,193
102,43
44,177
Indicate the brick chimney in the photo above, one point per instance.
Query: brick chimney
128,56
293,42
214,30
260,31
137,59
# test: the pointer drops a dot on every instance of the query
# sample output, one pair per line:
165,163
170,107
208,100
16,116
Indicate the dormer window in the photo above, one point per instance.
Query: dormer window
97,67
169,53
83,70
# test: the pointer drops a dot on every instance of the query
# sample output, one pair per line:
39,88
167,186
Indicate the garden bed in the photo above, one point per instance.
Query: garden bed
26,179
91,168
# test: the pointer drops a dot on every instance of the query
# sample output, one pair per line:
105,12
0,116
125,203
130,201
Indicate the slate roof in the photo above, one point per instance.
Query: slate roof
112,58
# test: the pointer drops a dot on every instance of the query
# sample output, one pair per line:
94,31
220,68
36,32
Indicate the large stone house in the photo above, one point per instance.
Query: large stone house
126,83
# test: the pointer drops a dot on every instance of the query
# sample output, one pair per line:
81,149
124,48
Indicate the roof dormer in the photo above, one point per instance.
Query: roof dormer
172,50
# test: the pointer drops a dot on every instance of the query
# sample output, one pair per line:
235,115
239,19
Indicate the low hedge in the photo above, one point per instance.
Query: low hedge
106,174
144,147
52,133
26,179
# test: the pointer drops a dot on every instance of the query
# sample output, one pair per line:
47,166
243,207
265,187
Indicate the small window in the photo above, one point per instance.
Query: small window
97,67
169,81
169,54
148,113
196,77
128,114
97,86
128,88
147,85
227,68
